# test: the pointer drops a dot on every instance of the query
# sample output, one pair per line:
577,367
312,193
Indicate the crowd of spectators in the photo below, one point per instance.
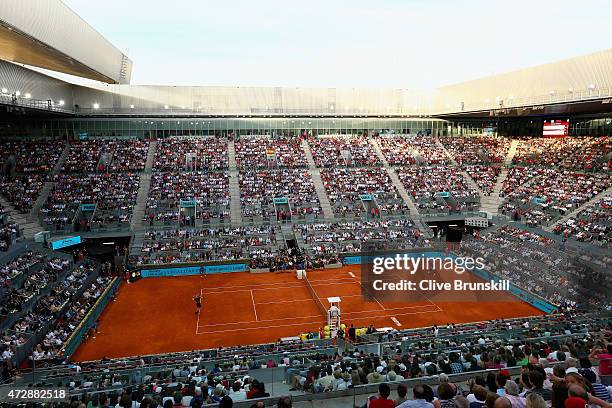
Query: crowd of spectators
557,276
210,190
515,359
592,224
519,175
548,366
477,149
593,154
32,156
585,153
113,193
429,150
425,183
18,265
259,188
69,319
348,236
341,151
266,152
9,231
206,244
484,176
15,297
398,150
53,306
209,153
103,155
346,188
22,191
553,194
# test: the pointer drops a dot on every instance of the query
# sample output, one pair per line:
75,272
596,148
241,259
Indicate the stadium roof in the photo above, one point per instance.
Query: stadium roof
48,34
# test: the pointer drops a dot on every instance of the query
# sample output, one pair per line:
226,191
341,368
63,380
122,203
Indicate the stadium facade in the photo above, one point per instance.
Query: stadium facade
513,103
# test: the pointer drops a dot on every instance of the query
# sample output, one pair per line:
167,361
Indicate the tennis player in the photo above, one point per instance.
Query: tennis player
198,302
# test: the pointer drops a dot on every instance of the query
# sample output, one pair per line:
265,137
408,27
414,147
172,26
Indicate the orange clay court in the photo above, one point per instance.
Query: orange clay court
157,315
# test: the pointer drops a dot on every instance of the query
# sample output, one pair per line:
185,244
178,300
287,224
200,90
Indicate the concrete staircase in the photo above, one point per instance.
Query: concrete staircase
308,155
137,242
33,216
231,155
577,210
151,156
234,185
492,202
144,186
315,173
471,183
141,201
511,152
30,222
30,228
414,211
446,152
60,163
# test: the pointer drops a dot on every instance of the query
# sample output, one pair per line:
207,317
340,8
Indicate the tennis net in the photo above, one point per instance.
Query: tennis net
315,297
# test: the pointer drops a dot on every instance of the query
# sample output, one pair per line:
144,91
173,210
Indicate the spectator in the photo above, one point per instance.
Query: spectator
382,400
604,355
237,394
226,402
535,400
512,394
402,391
480,396
284,402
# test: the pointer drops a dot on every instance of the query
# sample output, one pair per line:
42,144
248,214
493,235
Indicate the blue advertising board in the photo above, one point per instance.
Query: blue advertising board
443,194
66,242
193,270
352,260
281,200
365,197
188,203
88,207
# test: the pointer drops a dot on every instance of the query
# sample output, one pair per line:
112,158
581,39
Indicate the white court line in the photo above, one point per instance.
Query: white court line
429,300
302,324
319,316
419,292
268,320
315,316
388,310
282,284
254,308
404,314
314,284
299,300
397,322
358,283
259,327
345,296
379,304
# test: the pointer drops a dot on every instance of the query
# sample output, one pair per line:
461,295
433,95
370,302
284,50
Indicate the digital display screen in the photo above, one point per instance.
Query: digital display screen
555,128
66,242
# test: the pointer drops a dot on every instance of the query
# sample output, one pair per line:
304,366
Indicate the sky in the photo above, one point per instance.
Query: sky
409,44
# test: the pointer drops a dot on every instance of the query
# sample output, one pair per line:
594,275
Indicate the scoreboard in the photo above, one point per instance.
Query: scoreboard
555,128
